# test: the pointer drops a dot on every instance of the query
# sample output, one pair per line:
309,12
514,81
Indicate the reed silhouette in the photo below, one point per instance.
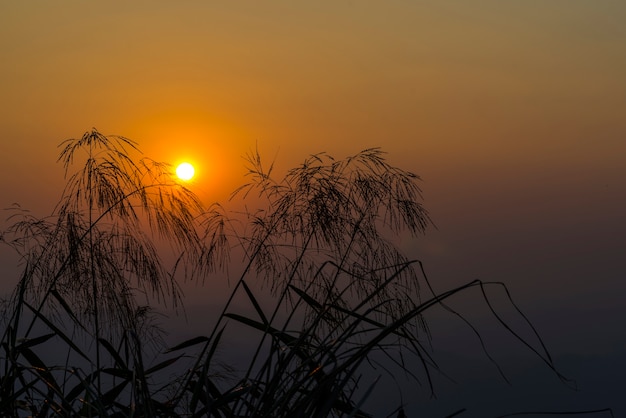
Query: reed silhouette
321,241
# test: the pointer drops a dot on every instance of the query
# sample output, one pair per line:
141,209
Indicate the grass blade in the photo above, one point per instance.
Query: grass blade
58,332
188,343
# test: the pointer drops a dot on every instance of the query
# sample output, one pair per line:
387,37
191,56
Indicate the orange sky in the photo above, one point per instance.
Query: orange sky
513,112
437,84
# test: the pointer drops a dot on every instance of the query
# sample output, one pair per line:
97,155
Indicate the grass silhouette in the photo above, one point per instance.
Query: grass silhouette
341,290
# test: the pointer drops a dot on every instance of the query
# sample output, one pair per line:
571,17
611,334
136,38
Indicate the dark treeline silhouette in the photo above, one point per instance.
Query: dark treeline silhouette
321,241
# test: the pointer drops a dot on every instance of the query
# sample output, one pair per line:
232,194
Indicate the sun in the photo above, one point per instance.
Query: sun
185,171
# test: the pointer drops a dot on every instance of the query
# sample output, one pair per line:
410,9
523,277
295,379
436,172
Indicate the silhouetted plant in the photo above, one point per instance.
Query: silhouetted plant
94,250
321,236
89,261
339,211
321,241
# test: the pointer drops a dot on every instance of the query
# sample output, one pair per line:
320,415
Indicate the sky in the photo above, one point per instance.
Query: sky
512,113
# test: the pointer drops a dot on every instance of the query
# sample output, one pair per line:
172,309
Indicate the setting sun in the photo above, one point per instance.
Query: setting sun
185,171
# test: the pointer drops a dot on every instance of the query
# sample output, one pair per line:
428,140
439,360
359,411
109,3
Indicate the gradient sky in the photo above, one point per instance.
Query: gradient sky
513,113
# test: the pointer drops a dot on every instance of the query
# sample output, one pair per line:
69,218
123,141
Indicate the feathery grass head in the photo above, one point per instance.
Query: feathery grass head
338,211
100,239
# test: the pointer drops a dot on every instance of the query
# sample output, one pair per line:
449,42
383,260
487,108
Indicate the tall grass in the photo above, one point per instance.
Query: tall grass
321,241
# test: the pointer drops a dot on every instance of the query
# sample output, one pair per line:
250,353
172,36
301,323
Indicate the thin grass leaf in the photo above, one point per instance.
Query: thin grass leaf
189,343
356,412
231,396
41,369
111,395
162,365
456,413
203,374
30,342
121,364
82,386
58,332
122,373
282,336
66,307
256,305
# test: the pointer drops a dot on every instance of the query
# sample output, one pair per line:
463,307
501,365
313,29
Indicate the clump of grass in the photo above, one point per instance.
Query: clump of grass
341,291
88,262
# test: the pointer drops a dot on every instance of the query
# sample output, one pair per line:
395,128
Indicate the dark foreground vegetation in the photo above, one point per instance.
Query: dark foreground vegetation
79,340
